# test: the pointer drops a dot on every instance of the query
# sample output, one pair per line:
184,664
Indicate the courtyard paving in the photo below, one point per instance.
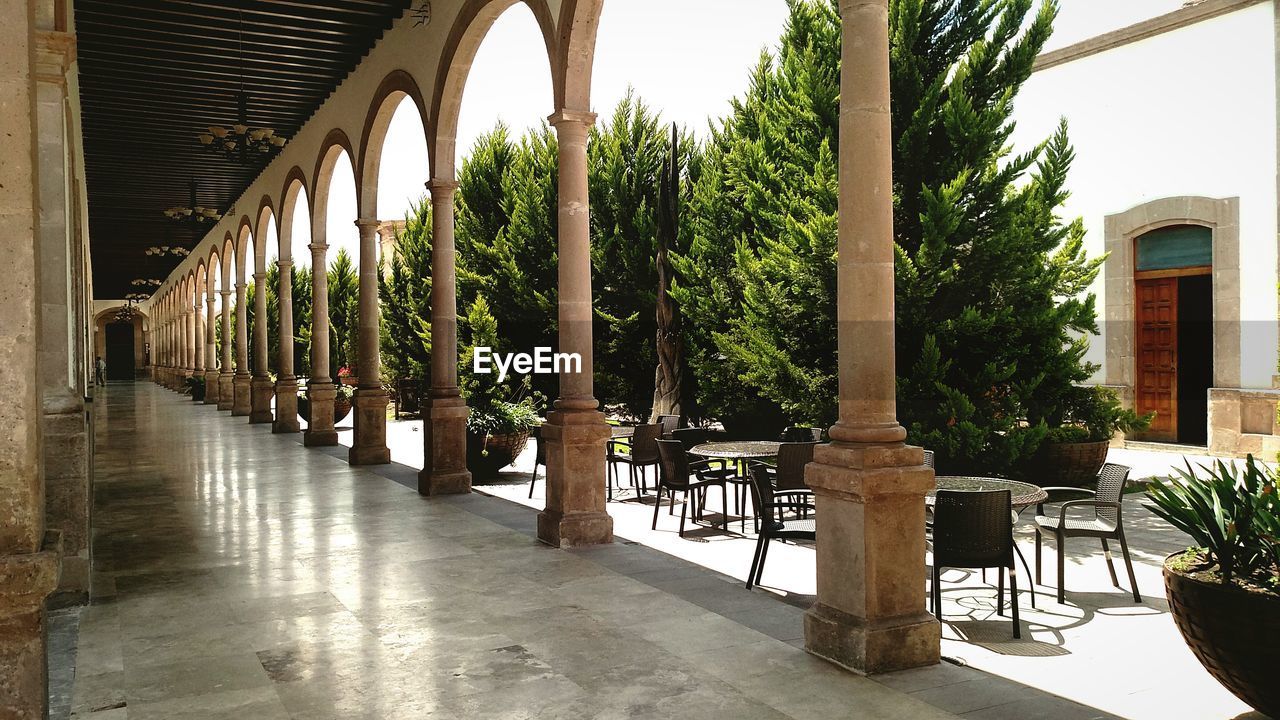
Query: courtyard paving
239,575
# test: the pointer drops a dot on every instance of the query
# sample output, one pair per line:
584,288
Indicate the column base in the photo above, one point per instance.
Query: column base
869,648
320,430
68,488
369,446
575,512
869,616
241,404
444,436
25,582
211,387
260,392
575,530
226,391
286,407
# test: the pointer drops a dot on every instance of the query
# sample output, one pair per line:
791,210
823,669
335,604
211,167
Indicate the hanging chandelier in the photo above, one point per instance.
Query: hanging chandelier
193,215
241,142
127,313
146,282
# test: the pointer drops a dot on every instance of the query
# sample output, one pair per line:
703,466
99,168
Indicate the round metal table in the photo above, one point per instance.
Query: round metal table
739,451
1021,494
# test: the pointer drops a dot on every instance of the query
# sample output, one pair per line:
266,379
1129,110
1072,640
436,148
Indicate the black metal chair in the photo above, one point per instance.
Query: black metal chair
675,476
540,457
669,423
974,530
1106,524
771,506
800,433
642,453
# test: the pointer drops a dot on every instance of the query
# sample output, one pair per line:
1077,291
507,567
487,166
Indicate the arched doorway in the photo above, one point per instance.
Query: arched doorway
1173,288
119,351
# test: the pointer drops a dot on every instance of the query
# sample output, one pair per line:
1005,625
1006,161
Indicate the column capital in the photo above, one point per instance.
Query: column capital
55,52
282,264
318,247
570,118
225,293
442,187
368,223
259,276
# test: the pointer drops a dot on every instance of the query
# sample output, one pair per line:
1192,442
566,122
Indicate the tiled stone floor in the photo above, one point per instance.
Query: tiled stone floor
239,575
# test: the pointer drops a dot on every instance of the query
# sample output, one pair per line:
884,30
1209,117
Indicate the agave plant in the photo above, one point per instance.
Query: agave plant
1229,513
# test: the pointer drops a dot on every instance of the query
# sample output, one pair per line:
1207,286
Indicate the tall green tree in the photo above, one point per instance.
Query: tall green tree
992,315
405,291
344,313
300,285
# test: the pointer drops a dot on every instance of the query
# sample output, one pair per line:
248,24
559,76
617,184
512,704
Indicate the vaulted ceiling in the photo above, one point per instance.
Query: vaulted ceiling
156,73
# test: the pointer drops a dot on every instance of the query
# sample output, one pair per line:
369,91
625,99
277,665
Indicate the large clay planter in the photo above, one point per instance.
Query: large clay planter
341,408
1234,633
486,455
1068,464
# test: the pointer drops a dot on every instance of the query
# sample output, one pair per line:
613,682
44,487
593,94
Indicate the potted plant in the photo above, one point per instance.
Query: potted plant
1080,432
1224,593
195,385
341,403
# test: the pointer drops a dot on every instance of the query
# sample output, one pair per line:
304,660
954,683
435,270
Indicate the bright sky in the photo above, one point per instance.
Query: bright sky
684,59
661,47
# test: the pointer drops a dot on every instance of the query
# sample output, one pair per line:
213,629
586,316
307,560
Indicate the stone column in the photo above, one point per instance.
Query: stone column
387,242
287,384
444,467
869,615
64,422
28,560
369,447
226,393
320,388
260,387
240,383
210,349
198,335
576,431
187,340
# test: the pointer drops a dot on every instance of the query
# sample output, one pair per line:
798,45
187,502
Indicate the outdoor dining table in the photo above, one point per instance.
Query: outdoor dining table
739,451
1021,494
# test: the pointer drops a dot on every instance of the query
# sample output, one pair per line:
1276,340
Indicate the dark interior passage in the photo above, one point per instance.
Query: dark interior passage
119,354
1195,357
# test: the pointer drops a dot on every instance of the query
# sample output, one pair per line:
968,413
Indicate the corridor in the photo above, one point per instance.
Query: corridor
239,575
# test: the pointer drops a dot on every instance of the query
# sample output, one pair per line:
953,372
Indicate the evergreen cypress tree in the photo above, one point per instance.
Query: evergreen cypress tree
300,285
406,301
344,312
992,321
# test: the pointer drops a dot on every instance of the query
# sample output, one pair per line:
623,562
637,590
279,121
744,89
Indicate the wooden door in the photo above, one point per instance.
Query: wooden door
1157,386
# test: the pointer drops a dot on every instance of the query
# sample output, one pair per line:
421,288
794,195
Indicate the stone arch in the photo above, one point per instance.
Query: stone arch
397,86
579,22
227,256
214,264
335,143
265,214
1222,217
294,182
243,238
465,37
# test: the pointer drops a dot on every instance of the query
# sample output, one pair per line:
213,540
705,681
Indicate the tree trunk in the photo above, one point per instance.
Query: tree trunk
668,381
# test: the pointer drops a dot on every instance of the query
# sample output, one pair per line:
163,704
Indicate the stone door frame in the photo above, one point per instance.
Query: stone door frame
1222,217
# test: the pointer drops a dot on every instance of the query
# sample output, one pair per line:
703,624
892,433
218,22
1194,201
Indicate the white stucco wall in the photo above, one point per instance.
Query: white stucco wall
1188,112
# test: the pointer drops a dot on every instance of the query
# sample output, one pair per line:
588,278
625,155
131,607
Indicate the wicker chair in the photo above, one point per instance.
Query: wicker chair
674,476
643,453
928,458
669,425
689,437
1106,523
974,530
540,456
774,523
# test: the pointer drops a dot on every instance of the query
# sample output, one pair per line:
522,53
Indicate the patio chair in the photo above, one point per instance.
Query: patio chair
928,458
1106,524
539,458
974,530
786,476
798,433
675,476
776,525
643,453
669,425
689,437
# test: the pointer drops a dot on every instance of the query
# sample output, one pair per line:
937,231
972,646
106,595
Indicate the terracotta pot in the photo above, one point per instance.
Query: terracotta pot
341,408
1068,464
1234,633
